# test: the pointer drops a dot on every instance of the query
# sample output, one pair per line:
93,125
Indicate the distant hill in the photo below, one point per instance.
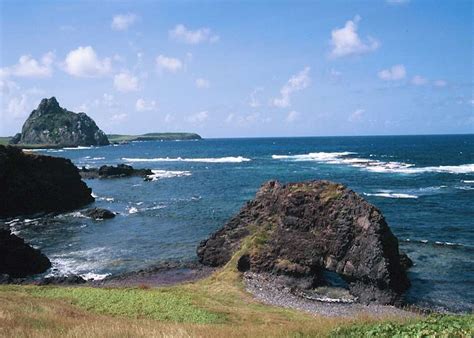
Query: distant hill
51,125
117,138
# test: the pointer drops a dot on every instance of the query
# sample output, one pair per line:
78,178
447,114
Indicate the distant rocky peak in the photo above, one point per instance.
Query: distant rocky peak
47,106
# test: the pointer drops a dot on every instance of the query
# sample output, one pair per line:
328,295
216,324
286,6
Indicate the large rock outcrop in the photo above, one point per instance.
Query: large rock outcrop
299,230
31,183
18,259
51,125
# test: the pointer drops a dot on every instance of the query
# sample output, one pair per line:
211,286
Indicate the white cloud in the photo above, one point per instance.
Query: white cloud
125,82
440,83
419,80
202,83
198,117
119,117
254,102
18,106
27,66
7,86
345,41
143,105
247,120
169,118
356,115
182,34
229,118
169,63
292,116
394,73
296,83
84,62
122,22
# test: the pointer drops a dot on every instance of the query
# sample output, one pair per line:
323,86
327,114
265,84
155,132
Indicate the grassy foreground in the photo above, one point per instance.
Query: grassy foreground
213,307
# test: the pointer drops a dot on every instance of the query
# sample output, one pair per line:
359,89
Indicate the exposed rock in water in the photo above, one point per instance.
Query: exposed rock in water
299,230
98,213
62,280
108,171
31,183
49,124
18,259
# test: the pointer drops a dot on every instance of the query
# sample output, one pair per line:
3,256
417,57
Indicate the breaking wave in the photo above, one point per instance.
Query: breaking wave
159,174
229,159
391,195
375,165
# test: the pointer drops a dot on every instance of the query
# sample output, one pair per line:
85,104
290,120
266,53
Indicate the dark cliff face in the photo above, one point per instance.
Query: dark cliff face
32,183
301,229
18,259
49,124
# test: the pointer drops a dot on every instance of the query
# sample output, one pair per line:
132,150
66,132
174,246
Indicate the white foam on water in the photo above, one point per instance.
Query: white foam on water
228,159
78,148
94,195
94,276
375,165
391,195
84,263
319,156
160,174
132,210
468,181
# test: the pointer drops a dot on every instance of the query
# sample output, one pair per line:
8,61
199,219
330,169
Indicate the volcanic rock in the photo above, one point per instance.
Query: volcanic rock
98,213
62,280
31,183
299,230
49,125
18,259
108,171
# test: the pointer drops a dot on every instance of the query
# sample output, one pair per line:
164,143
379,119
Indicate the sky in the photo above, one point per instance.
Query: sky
243,68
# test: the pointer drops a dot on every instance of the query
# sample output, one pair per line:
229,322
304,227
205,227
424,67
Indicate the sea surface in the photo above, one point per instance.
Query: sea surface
424,185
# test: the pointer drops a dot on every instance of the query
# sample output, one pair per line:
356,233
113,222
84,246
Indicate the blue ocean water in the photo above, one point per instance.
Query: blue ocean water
424,185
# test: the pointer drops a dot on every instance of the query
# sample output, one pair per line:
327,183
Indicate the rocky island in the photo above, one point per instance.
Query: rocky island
50,125
298,231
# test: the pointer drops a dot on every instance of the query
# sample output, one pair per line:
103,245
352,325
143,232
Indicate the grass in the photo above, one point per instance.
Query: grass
153,136
432,326
4,140
217,306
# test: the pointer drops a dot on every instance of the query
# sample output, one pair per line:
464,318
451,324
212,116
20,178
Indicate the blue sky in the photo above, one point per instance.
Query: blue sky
243,68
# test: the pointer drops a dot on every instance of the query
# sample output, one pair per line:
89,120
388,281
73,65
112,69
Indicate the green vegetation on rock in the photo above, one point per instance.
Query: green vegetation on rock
117,138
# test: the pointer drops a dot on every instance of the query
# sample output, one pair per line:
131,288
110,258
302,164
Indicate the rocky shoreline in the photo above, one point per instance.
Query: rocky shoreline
269,290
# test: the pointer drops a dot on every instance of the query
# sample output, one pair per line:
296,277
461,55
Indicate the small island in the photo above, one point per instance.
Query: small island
51,126
118,138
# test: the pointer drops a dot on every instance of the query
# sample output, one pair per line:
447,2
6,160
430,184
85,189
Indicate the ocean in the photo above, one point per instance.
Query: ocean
424,186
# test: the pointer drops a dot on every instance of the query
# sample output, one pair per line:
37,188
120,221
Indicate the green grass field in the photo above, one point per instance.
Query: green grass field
217,306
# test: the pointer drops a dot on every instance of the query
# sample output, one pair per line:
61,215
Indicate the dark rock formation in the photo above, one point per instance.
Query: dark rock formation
108,171
300,230
98,213
31,183
18,259
62,280
5,279
15,139
49,124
